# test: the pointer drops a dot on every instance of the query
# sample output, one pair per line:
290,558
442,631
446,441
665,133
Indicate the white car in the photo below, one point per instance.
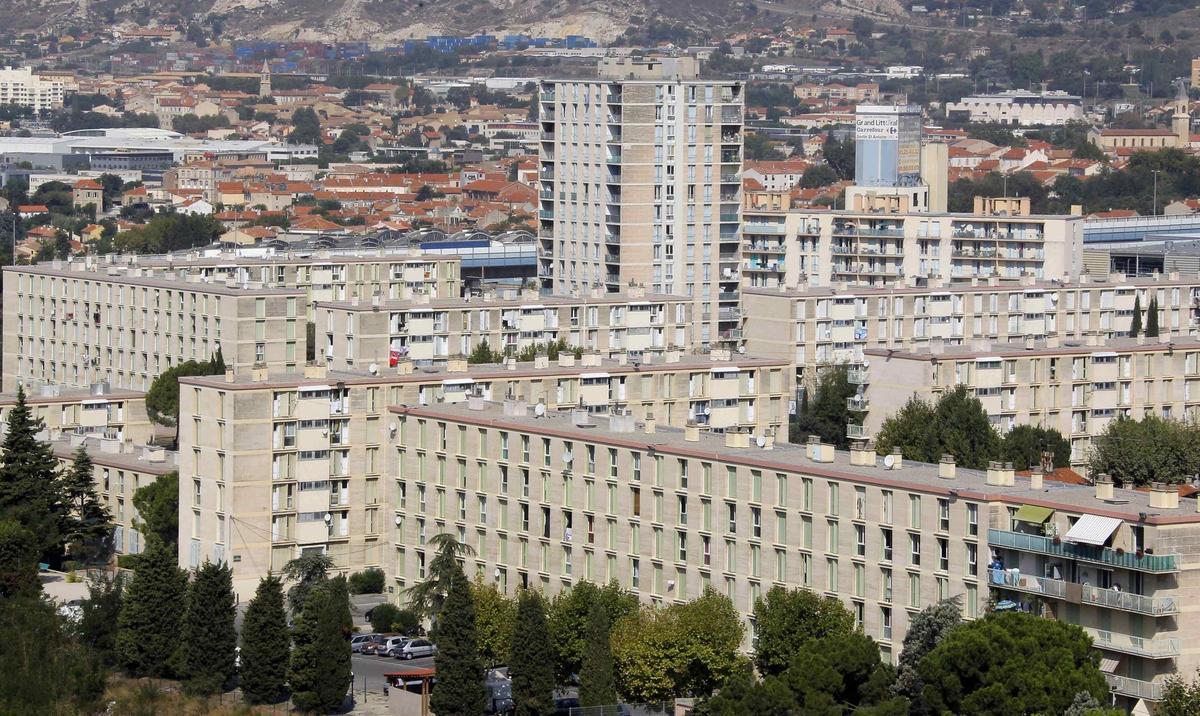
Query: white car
416,649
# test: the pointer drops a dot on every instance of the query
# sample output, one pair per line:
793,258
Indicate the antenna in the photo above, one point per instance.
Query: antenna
889,461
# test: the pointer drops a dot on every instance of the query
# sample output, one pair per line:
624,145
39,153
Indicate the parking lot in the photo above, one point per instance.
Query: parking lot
369,670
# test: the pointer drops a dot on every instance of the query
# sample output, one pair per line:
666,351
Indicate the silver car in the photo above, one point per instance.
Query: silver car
417,648
358,641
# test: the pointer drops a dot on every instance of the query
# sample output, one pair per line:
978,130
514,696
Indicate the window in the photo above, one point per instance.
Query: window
886,517
885,585
756,522
914,550
732,513
914,591
834,494
831,534
943,554
885,544
972,558
831,566
860,540
885,620
914,511
972,520
943,515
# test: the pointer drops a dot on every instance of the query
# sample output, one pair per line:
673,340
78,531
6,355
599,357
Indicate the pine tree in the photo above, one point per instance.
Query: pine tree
100,613
87,527
209,641
531,664
1135,323
29,491
460,688
596,684
1152,319
320,669
18,562
265,644
148,626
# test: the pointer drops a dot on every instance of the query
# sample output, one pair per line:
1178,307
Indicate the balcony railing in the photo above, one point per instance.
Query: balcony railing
754,227
1156,563
1160,648
857,376
857,404
857,432
1149,690
1126,601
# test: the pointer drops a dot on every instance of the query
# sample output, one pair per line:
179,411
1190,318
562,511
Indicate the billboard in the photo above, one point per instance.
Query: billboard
876,126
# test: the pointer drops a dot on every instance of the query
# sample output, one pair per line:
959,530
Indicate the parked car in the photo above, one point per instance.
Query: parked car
358,641
392,646
416,649
372,645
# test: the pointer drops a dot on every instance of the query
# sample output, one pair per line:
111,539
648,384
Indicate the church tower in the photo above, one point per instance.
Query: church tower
264,81
1181,120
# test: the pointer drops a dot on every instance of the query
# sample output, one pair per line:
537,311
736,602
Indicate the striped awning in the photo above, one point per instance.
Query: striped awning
1109,666
1093,529
1033,514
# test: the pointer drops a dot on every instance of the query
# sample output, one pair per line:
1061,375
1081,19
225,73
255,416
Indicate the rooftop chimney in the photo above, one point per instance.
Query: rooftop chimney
860,455
897,460
691,432
947,467
1104,487
649,425
1164,496
995,473
1035,479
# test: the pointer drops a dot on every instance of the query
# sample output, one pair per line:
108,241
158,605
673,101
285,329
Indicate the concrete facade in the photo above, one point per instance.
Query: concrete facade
94,411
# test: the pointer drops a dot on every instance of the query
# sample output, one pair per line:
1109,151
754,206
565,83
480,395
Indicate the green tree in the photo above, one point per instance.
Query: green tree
569,616
680,650
426,597
368,581
461,687
839,155
787,619
1152,318
265,643
957,424
148,627
1024,444
99,614
597,686
1153,449
1085,704
18,562
1011,662
162,400
1179,698
495,619
925,631
44,669
818,175
531,662
307,571
320,669
1135,323
826,414
157,505
306,127
483,353
208,643
88,527
29,489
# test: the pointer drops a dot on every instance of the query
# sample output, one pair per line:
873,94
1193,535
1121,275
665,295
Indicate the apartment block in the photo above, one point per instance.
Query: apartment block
23,87
119,469
96,411
547,501
789,247
354,334
819,325
84,322
1075,387
640,185
274,464
324,275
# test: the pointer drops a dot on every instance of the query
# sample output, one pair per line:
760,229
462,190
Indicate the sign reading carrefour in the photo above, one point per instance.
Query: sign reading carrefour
874,126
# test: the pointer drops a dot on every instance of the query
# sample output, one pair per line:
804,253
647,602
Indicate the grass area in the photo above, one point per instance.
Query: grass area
150,697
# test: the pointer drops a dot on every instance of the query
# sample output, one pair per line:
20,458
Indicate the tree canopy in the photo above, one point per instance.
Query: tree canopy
826,414
787,619
157,504
956,424
162,400
1152,449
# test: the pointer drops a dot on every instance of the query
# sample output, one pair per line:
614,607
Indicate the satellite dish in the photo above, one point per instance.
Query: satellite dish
568,457
741,349
399,520
373,368
540,410
866,363
888,461
760,441
328,518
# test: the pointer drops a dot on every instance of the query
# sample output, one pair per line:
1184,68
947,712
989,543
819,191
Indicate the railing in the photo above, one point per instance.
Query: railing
857,404
547,136
755,227
727,296
1149,690
730,178
857,376
857,432
613,159
1126,601
612,278
1156,563
545,214
729,217
1028,583
1161,648
547,96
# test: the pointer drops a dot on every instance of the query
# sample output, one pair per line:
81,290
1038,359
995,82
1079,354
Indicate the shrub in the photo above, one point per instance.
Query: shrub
368,581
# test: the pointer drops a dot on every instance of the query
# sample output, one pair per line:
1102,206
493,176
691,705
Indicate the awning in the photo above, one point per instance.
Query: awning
1109,666
1093,529
1033,514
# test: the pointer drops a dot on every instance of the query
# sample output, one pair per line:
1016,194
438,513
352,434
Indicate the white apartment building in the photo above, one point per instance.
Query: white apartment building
273,464
83,322
640,185
1018,108
548,501
96,411
353,335
1075,387
816,325
878,248
25,88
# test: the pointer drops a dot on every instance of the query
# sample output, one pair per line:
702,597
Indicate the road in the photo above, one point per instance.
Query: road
372,668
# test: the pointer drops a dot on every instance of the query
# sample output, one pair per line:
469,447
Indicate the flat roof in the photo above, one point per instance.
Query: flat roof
851,290
123,456
183,260
499,301
1039,348
789,457
479,372
66,394
749,212
157,280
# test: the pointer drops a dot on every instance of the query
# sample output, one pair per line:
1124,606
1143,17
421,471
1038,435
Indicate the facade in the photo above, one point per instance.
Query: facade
96,411
265,457
1075,387
83,322
815,326
23,87
640,185
353,335
887,146
119,469
546,502
1019,108
871,248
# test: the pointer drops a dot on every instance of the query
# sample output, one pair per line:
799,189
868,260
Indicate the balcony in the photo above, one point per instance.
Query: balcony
755,227
729,217
547,136
727,296
731,115
547,96
1149,690
612,278
613,159
857,376
857,432
730,178
857,404
545,214
733,334
1154,563
1160,648
1126,601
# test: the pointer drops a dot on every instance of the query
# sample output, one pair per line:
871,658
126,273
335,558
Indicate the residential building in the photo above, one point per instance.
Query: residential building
23,87
1018,108
355,334
97,411
641,185
876,248
83,322
548,501
265,457
1075,387
816,325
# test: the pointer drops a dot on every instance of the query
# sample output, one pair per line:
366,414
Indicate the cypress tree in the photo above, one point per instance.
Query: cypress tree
209,640
152,613
29,489
531,663
1135,323
18,562
100,613
1152,319
265,643
596,684
87,525
320,670
460,688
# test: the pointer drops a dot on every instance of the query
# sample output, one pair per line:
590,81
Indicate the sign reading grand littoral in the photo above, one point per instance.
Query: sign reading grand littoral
874,126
